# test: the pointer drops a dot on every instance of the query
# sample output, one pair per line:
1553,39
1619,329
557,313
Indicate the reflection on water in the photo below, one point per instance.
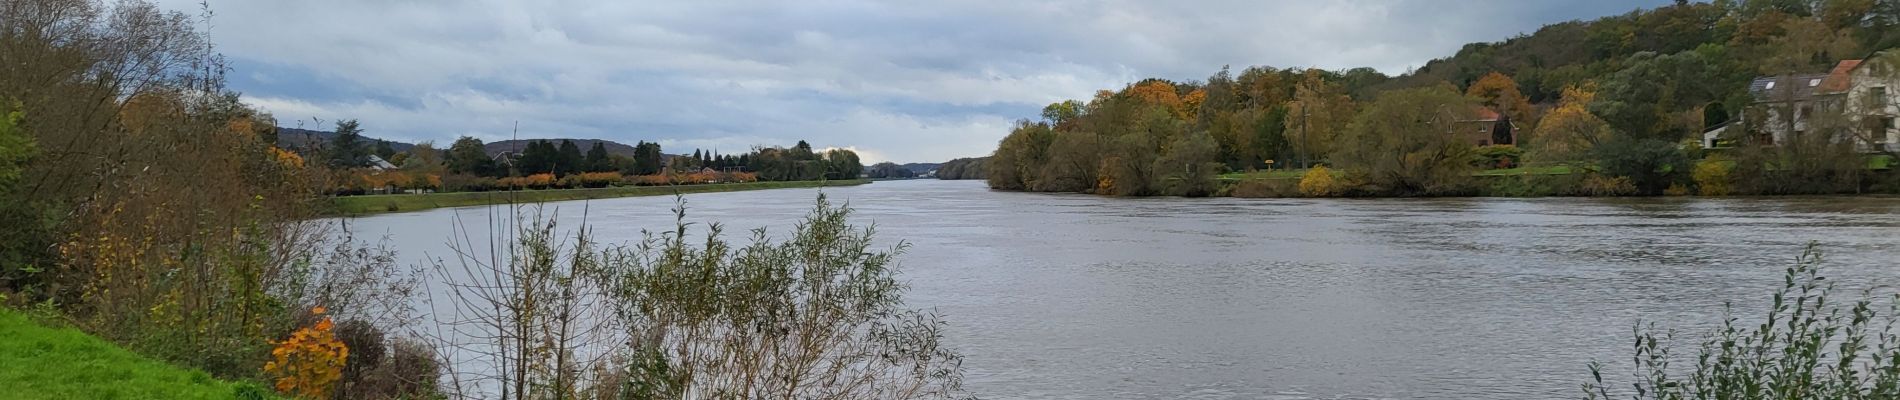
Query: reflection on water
1083,297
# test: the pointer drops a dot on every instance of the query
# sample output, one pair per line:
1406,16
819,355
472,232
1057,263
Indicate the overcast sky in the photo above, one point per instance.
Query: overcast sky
910,81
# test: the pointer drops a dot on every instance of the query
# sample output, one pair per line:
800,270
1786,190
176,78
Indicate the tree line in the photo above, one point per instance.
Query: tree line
1623,112
467,164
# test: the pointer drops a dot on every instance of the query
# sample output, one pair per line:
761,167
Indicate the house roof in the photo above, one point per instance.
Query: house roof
380,163
1483,114
1841,78
1487,114
1771,88
1806,86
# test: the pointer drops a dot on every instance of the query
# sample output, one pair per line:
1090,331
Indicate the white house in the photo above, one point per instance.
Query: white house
1861,87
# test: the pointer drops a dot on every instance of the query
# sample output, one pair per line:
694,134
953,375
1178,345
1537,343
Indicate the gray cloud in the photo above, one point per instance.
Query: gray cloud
903,81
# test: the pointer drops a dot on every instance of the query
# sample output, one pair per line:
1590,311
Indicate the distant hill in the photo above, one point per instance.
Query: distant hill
614,148
293,138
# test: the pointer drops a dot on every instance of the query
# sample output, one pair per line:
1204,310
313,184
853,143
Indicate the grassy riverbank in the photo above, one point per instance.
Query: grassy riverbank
40,362
374,204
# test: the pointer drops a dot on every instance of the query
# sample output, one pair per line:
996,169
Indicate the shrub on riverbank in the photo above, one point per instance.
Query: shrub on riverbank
816,314
1318,182
1808,346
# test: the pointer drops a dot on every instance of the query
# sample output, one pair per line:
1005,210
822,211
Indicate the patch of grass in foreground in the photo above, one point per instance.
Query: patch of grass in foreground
1294,173
373,204
39,362
1544,170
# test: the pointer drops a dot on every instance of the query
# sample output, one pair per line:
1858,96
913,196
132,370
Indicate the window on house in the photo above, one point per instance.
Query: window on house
1879,95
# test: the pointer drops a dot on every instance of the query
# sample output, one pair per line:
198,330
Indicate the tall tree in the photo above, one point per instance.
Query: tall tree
1499,93
647,158
539,157
1319,112
385,150
569,159
597,158
348,149
1407,142
842,164
423,157
469,156
1569,131
1190,166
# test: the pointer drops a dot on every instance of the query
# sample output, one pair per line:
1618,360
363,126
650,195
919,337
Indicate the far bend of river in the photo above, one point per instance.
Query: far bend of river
1061,296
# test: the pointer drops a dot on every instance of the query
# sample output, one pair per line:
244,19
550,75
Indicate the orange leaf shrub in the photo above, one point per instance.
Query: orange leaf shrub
651,180
309,364
599,179
536,181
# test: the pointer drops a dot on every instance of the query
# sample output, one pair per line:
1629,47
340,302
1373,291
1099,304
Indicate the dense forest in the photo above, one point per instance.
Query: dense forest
962,168
1605,107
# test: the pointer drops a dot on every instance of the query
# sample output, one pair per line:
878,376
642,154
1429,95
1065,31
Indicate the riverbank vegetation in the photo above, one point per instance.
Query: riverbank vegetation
1622,105
962,168
684,313
1807,345
372,204
542,164
147,205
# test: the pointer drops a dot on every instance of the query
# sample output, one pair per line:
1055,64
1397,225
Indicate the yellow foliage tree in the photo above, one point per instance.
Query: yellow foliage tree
1500,93
1712,176
1317,115
1569,130
1318,182
309,364
286,158
1159,93
1191,104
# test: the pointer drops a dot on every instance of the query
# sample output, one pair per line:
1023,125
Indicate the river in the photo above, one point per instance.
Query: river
1059,296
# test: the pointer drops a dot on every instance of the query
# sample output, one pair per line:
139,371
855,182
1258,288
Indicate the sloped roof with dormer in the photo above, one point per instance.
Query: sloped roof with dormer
1771,89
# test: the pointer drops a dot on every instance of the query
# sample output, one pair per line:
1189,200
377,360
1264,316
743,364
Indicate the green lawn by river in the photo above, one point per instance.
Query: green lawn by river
40,362
373,204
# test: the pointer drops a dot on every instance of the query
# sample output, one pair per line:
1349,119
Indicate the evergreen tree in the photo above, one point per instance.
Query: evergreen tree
569,159
384,150
646,158
597,159
347,149
538,158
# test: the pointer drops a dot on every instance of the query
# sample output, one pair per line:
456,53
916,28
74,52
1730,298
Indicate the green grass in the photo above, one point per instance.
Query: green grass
1297,173
1544,170
39,362
1268,174
373,204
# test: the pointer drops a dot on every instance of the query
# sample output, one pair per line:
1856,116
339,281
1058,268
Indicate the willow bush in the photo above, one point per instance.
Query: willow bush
816,314
1808,345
